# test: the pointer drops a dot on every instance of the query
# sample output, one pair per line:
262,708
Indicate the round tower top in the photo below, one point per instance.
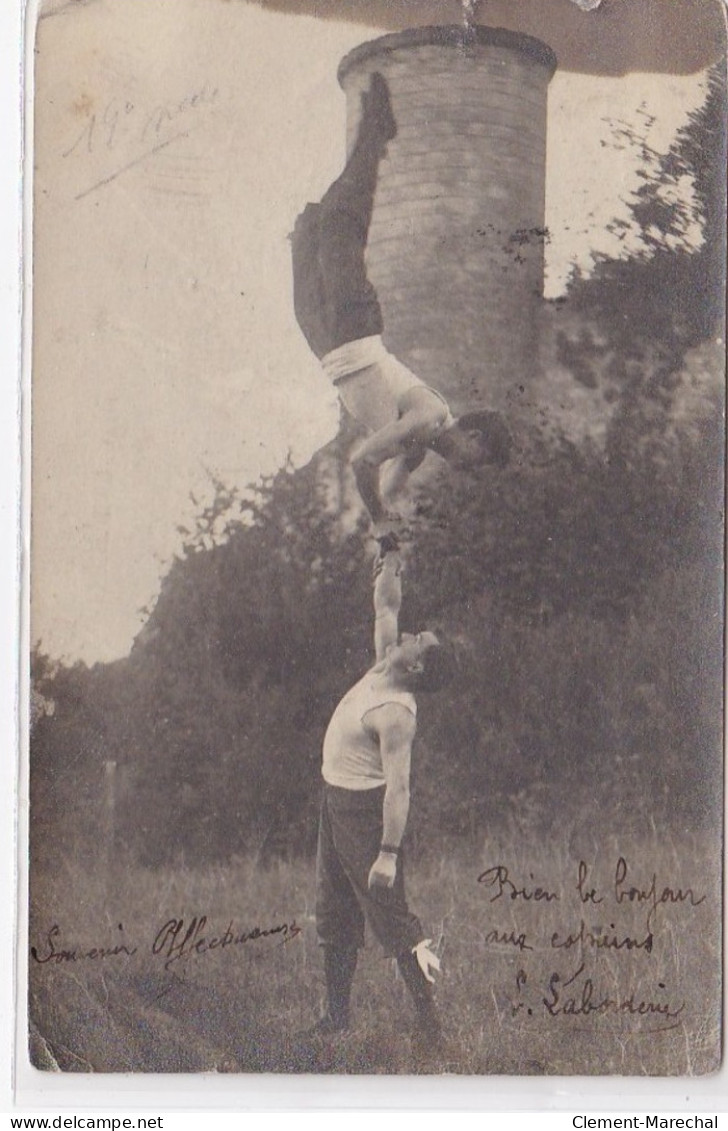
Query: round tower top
454,35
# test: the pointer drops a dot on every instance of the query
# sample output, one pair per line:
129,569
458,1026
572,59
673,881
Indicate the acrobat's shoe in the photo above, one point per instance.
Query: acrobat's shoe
377,116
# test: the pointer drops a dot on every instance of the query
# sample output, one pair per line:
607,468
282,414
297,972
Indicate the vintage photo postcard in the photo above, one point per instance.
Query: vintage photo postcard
376,593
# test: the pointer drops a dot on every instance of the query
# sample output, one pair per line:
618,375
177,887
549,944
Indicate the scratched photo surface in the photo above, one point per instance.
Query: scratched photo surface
539,192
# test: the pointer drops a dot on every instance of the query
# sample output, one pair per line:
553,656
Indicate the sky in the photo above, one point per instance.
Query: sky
175,143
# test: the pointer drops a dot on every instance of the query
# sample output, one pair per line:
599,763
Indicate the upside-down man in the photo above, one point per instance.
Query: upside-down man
339,313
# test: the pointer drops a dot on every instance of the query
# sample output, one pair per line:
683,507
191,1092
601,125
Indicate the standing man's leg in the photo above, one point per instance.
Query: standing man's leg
340,927
354,821
339,970
427,1020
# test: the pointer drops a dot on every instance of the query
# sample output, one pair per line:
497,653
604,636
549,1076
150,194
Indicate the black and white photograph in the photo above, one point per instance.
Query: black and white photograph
375,658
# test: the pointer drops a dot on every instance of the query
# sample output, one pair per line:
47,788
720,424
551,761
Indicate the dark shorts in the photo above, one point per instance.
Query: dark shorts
350,833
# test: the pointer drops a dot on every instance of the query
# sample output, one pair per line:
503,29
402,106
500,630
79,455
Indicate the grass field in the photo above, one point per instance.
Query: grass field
537,977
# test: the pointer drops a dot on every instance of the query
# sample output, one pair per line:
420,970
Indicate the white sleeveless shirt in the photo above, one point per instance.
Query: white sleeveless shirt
352,758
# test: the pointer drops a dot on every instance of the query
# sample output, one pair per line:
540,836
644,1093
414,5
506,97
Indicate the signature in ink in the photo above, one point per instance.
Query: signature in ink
586,1001
176,939
652,894
57,955
601,940
498,878
518,939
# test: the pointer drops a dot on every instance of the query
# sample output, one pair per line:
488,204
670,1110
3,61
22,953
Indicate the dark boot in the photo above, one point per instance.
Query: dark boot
339,967
353,190
428,1030
378,124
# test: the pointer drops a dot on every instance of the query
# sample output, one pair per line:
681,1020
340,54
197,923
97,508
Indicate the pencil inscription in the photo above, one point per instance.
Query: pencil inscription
121,121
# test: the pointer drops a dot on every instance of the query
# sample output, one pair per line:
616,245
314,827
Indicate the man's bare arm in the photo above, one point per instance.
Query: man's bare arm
395,727
394,474
387,602
424,414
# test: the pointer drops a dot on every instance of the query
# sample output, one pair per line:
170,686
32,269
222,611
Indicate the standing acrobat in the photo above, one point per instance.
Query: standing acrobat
339,313
366,771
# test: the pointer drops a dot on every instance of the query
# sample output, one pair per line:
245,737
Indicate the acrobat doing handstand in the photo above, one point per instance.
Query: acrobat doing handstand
339,313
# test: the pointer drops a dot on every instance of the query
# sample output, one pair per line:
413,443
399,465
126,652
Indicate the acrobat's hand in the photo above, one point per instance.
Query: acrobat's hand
427,960
388,543
390,524
383,871
389,561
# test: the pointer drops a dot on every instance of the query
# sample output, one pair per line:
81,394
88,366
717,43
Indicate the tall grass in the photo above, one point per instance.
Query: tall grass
243,1008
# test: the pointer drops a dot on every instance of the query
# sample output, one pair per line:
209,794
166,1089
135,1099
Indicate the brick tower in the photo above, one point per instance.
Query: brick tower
456,240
